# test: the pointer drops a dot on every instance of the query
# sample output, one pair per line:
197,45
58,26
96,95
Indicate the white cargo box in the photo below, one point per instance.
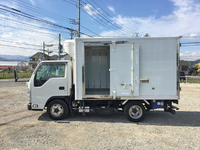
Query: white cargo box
125,68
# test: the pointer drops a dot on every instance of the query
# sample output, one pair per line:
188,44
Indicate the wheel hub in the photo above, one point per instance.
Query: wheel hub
135,111
56,110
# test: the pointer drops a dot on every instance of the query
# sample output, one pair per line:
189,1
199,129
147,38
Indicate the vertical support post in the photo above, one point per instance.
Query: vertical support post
59,45
43,49
71,34
79,18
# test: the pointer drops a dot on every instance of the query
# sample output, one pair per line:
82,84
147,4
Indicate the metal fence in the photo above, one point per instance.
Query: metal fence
190,79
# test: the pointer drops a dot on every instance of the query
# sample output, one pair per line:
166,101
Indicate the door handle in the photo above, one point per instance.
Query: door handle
112,70
61,88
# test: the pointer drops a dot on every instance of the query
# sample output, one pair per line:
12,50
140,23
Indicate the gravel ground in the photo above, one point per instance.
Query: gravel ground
23,129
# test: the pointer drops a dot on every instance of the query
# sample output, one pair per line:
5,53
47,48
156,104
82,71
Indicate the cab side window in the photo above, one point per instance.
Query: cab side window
47,71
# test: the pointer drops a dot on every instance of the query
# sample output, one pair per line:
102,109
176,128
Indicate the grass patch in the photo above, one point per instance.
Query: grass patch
190,82
23,74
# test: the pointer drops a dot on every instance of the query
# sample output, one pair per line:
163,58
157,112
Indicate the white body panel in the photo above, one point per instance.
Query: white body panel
132,60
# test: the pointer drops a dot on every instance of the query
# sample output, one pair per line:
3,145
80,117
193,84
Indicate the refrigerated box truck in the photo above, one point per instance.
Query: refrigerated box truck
133,75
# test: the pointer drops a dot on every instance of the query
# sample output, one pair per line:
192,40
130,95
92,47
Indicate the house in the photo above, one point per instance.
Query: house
184,66
36,58
8,64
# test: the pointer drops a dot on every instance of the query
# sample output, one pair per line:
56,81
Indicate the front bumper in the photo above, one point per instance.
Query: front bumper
29,106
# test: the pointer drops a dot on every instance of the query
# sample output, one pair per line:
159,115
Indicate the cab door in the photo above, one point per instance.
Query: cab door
49,80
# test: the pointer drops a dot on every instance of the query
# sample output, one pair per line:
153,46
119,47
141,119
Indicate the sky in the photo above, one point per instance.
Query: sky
26,24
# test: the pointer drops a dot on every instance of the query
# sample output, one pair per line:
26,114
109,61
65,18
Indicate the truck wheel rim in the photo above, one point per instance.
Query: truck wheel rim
135,111
56,110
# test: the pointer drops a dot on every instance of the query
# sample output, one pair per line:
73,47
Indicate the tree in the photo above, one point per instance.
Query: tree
195,69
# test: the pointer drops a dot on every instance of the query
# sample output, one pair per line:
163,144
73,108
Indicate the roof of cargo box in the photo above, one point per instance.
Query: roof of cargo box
124,38
118,39
107,40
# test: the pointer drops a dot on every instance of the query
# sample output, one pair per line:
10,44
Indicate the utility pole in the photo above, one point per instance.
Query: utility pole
79,17
71,34
136,34
48,52
59,47
43,49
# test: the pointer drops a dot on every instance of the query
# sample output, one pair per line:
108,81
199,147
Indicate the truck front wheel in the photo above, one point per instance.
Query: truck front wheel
57,109
134,111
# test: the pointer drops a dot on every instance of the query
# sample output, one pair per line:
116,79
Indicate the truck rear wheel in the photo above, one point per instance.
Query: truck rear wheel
134,111
57,109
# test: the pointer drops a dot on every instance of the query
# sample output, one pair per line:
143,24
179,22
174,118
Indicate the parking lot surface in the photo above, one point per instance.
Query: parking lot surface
23,129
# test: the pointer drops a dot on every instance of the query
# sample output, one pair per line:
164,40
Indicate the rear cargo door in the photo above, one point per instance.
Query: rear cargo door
120,69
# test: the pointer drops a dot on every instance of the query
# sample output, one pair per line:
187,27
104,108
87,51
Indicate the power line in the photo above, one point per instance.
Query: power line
104,17
53,40
26,24
39,10
76,4
98,21
99,16
32,36
25,29
35,18
93,17
89,30
23,47
190,43
74,1
32,17
112,16
47,13
70,2
20,47
21,43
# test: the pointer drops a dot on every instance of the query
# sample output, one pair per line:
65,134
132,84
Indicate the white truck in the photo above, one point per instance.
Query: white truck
133,75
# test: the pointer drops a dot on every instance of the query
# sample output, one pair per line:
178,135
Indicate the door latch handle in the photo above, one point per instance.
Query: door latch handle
61,88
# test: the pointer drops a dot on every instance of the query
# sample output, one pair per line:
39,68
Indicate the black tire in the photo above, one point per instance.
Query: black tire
134,111
57,109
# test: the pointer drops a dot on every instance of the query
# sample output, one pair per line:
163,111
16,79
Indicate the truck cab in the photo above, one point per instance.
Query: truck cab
51,80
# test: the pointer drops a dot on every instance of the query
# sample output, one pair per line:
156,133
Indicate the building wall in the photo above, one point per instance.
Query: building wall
6,67
35,60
